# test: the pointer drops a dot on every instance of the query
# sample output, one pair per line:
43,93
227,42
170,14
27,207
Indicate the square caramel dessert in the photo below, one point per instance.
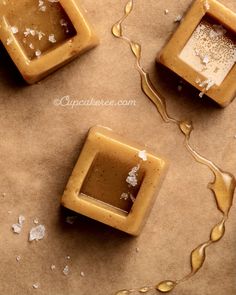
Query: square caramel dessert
114,181
202,51
41,36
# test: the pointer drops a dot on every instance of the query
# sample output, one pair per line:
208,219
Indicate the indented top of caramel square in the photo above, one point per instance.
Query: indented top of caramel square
203,50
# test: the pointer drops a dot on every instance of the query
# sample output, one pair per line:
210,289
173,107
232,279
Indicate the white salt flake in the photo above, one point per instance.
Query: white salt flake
82,274
14,30
37,233
38,53
66,270
178,18
52,38
166,11
16,228
31,46
9,41
132,177
36,221
18,258
63,22
206,5
21,220
53,267
143,155
205,59
36,285
124,196
137,249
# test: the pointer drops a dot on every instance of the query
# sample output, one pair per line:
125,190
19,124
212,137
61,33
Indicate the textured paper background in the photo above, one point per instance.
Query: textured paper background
40,144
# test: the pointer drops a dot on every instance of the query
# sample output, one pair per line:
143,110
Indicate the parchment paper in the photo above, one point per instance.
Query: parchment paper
40,143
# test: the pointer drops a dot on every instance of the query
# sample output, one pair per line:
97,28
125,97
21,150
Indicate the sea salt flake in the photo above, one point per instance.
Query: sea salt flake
205,59
14,30
16,228
37,233
132,176
143,155
36,285
18,258
9,41
82,274
206,5
66,270
166,11
21,220
124,196
178,18
38,53
52,38
53,267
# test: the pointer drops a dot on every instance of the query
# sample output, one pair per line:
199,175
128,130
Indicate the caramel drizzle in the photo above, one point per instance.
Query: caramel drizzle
224,183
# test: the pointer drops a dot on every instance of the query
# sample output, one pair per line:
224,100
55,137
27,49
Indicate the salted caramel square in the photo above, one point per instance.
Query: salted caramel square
114,181
41,36
202,51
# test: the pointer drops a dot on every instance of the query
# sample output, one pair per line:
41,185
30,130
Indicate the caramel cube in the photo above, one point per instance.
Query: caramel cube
114,181
203,50
41,36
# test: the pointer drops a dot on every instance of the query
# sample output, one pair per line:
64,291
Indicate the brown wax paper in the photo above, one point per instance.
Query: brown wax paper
41,141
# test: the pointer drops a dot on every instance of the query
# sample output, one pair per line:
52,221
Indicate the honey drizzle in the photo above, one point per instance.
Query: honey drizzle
223,186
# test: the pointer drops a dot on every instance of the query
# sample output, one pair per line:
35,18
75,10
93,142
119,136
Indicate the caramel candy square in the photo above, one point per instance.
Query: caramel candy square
41,36
114,181
203,50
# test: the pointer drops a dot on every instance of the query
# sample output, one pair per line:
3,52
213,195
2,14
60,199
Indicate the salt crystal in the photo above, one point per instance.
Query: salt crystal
178,18
38,53
53,267
18,258
206,5
36,285
124,196
37,233
166,11
137,250
52,38
9,41
21,220
66,270
82,274
36,221
132,178
143,155
205,60
14,30
31,46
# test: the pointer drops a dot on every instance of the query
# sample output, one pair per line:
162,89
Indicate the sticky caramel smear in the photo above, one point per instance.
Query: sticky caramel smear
224,183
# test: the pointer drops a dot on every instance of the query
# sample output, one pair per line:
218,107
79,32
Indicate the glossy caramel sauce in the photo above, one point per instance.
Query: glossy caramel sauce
223,186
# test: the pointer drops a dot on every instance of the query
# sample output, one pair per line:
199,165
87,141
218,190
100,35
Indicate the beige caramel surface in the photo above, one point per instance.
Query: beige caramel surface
207,34
100,176
40,144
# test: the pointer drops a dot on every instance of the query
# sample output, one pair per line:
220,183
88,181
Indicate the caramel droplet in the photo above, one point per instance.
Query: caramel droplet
144,290
136,49
166,286
123,292
186,127
129,7
223,188
117,30
198,257
218,231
